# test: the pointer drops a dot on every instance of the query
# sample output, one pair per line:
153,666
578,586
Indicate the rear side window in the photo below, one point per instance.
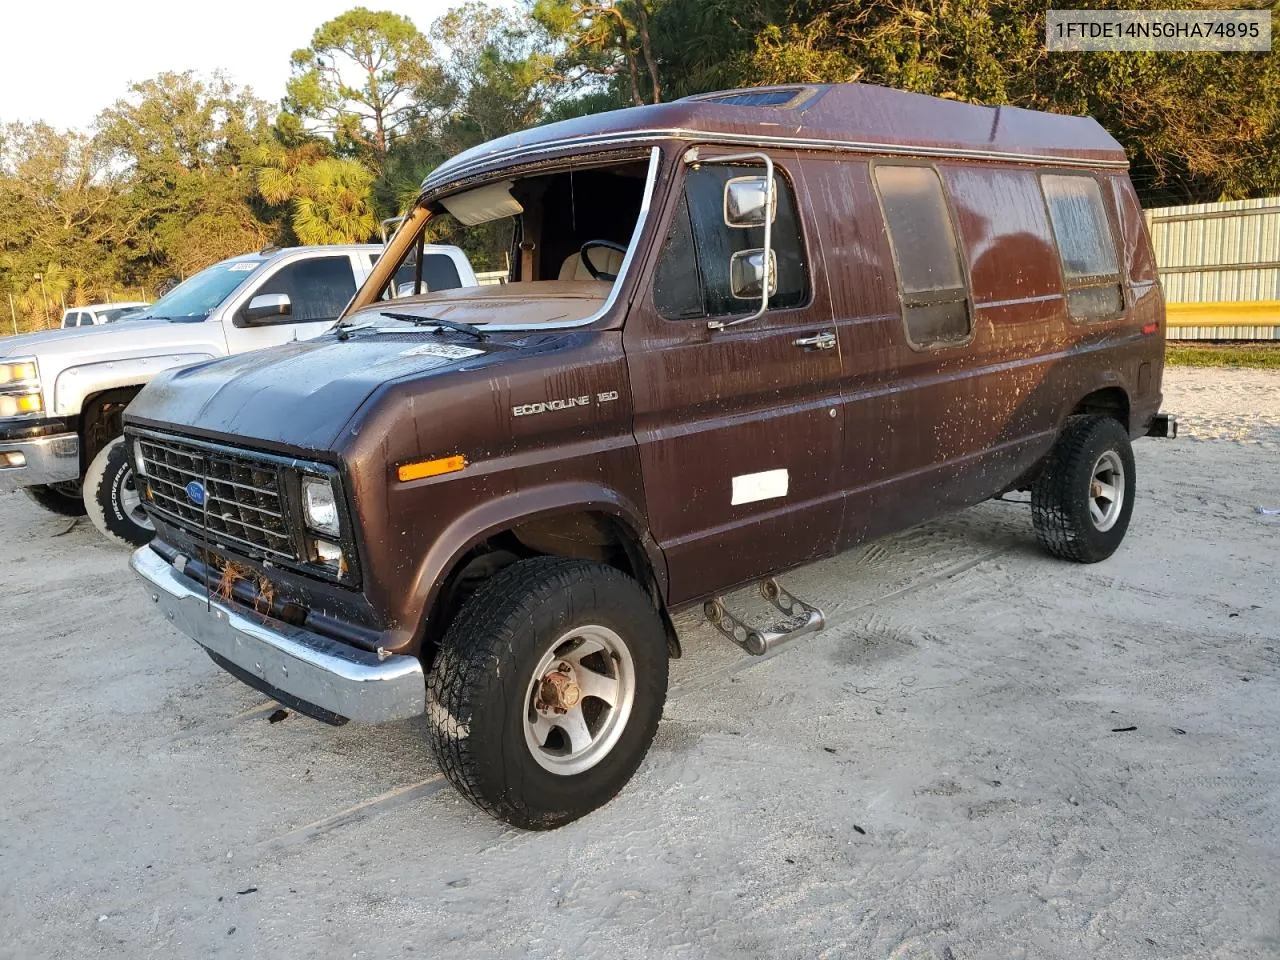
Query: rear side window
317,289
692,277
439,272
931,282
1085,244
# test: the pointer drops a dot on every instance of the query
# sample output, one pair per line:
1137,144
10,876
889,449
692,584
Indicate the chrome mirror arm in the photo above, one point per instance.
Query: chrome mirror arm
693,158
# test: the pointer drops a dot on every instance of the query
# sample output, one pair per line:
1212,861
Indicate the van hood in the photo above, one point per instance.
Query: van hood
299,396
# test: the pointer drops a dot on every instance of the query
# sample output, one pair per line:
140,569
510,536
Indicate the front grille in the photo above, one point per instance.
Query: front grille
245,501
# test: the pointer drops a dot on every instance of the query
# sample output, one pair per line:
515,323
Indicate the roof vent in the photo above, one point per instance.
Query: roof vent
780,97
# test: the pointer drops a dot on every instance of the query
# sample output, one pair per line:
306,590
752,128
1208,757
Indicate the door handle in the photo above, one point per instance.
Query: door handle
819,341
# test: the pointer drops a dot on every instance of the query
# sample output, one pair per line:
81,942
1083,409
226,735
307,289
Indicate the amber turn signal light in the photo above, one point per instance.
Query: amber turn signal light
430,468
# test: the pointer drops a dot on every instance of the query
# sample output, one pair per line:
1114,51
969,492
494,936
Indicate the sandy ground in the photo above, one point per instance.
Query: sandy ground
988,754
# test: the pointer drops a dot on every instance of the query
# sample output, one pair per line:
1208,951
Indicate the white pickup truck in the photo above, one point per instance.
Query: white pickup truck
62,392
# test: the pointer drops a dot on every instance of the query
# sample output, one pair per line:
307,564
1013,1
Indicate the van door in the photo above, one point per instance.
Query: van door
318,288
738,428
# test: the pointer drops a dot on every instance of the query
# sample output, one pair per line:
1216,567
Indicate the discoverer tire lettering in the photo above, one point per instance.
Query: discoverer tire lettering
106,483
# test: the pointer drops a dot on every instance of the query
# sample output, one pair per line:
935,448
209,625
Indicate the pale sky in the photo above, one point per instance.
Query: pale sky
64,61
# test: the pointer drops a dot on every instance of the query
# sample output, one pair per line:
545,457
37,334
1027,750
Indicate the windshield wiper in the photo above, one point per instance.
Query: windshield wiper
439,324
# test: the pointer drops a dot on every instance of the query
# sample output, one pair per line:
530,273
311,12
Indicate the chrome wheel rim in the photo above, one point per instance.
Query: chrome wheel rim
1106,491
579,700
131,502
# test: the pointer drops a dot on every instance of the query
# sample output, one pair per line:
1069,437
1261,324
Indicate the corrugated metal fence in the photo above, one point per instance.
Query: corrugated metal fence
1220,267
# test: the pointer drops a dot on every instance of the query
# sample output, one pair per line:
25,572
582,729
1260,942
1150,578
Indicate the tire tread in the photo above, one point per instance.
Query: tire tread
483,635
1059,515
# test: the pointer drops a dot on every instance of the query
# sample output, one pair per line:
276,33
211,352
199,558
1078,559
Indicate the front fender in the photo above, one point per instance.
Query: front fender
76,383
501,513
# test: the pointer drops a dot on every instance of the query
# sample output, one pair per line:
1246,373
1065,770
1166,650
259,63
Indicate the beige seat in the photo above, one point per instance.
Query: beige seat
602,258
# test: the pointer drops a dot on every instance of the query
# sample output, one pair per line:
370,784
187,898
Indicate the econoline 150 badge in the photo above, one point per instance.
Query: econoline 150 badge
528,409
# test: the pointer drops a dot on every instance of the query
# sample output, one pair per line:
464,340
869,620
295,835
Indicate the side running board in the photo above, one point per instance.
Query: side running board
798,618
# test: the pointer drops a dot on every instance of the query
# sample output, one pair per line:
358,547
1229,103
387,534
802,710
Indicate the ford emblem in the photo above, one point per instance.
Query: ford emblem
195,492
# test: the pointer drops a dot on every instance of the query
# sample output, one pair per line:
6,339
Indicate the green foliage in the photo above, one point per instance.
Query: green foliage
1198,127
359,80
330,198
183,171
604,40
1260,356
185,146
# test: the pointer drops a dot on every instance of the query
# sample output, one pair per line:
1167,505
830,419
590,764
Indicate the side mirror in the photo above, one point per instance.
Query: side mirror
745,202
747,274
406,289
748,202
268,307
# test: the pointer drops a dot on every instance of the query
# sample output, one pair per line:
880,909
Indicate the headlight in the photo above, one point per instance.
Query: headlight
19,373
319,506
22,405
20,388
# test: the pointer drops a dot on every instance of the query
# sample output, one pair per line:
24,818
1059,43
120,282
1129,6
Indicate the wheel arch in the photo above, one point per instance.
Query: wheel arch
74,386
1108,401
579,520
101,415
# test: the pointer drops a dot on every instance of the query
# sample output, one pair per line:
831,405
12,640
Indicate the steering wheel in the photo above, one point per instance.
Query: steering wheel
591,267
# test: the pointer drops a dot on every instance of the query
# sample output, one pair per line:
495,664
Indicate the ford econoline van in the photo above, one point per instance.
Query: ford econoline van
742,332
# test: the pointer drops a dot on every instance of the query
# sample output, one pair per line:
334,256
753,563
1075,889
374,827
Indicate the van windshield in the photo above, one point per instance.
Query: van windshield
196,297
562,234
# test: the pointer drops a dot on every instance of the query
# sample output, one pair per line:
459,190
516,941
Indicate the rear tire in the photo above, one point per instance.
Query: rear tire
1083,498
547,690
112,500
55,501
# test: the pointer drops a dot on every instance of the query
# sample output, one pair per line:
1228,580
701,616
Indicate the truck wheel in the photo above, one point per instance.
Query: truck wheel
1081,502
56,501
547,690
113,502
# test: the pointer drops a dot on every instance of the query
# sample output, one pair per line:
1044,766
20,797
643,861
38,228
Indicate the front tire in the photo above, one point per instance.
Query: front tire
113,501
1083,498
56,501
547,690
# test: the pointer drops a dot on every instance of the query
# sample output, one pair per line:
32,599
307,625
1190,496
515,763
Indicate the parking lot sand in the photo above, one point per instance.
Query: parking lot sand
987,754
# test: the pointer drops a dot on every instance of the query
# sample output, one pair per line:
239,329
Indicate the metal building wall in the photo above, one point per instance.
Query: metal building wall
1220,268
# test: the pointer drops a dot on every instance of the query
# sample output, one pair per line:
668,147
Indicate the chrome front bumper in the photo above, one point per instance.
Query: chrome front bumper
276,657
42,460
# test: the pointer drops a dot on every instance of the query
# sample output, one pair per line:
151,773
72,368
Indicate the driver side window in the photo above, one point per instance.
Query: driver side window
318,289
692,276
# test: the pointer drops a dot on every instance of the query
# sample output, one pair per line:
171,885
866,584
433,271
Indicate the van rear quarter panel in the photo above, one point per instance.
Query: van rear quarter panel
1146,302
935,429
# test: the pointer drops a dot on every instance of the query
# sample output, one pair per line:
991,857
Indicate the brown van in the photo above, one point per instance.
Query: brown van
741,332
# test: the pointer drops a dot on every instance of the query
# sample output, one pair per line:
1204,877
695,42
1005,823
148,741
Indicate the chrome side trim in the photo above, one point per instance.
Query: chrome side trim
456,169
53,459
341,679
651,178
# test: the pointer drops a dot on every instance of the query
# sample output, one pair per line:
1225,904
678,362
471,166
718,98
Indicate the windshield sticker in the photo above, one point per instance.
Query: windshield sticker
446,350
243,267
